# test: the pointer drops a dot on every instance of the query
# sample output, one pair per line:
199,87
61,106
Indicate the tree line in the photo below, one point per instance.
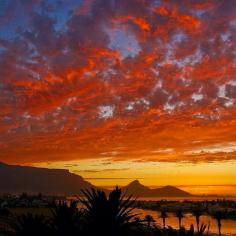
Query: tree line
99,214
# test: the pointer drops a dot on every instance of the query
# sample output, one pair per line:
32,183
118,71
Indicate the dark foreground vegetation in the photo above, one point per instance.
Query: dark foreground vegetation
97,215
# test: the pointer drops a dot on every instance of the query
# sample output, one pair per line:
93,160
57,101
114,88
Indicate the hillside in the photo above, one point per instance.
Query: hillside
135,188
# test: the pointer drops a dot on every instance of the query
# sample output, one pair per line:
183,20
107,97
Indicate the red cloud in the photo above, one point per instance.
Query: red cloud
175,91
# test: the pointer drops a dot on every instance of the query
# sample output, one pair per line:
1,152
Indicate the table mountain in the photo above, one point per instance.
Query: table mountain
17,179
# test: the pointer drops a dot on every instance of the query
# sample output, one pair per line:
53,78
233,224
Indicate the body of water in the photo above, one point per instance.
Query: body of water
191,198
228,226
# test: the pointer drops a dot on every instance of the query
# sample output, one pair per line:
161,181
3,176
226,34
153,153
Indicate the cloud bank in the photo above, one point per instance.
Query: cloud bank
137,79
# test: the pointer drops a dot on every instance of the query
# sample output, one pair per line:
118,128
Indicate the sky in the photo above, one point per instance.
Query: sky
117,90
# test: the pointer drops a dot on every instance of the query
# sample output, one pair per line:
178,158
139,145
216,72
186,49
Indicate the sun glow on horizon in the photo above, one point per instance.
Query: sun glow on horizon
200,178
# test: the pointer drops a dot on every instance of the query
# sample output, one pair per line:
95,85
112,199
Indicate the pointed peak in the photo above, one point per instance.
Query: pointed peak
169,187
136,187
135,183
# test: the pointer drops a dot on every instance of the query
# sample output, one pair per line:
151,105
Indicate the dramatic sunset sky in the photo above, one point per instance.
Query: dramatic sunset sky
117,90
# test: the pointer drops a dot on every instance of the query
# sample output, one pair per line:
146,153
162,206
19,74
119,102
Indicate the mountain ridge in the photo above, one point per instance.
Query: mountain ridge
137,189
62,182
40,180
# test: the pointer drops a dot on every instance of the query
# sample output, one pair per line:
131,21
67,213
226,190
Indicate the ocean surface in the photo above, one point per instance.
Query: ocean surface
228,226
191,198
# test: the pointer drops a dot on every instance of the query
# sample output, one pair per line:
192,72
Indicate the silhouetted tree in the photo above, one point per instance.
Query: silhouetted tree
163,215
197,213
107,216
65,219
219,215
202,229
208,227
179,214
191,230
149,219
100,215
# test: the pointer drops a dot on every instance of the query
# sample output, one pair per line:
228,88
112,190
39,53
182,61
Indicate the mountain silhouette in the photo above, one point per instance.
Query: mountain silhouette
17,179
135,188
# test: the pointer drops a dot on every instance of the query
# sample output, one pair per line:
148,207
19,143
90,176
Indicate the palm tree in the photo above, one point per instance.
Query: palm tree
197,213
65,218
149,219
219,215
110,215
208,227
179,214
202,229
163,215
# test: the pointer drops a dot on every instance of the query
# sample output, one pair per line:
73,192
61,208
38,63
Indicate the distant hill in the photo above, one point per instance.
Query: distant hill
17,179
135,188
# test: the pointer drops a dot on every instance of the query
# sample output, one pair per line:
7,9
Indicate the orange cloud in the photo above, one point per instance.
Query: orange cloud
76,92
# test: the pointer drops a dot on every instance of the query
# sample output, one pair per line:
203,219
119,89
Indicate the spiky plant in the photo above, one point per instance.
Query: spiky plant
66,219
110,215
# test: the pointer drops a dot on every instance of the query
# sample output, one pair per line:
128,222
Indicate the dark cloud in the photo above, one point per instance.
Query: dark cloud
73,86
231,91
